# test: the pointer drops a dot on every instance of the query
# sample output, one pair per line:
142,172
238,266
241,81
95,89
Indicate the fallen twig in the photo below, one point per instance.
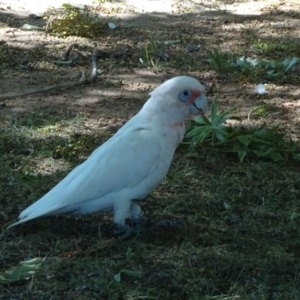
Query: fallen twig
94,66
66,54
48,23
82,80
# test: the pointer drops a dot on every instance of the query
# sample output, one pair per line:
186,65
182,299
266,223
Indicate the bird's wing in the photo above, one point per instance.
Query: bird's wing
119,164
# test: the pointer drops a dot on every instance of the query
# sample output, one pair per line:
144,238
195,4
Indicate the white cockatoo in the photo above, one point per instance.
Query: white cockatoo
131,163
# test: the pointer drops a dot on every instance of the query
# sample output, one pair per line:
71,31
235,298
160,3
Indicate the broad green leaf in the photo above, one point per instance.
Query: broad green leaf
201,121
292,63
75,6
270,153
273,64
203,116
63,62
129,273
213,63
269,135
237,146
28,27
242,155
296,156
198,131
226,205
222,117
241,62
275,75
117,277
220,130
294,216
253,62
202,137
221,137
245,139
260,139
270,72
292,146
275,156
24,270
213,111
259,153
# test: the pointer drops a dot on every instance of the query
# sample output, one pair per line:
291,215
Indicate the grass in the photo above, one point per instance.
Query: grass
276,48
237,225
236,235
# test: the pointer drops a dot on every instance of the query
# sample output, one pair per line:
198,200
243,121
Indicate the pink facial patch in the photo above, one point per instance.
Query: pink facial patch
195,94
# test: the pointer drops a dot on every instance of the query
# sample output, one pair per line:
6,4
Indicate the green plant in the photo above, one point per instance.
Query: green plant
220,62
24,270
153,55
73,20
280,46
213,129
227,63
259,142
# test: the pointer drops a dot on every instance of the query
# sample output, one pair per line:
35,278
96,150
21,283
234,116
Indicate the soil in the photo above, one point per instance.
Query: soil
125,82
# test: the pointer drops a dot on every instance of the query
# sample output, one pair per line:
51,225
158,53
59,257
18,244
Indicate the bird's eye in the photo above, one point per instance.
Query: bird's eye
184,96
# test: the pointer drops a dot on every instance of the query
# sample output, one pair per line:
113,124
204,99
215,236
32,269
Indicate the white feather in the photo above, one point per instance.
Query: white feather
129,165
260,89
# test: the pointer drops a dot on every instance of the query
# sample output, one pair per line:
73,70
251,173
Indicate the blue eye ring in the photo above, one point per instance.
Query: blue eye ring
184,96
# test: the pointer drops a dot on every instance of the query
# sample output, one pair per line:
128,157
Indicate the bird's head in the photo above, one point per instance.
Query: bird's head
177,98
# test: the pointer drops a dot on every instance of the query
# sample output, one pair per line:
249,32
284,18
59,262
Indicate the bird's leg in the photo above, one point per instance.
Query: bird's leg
119,219
136,213
126,230
121,210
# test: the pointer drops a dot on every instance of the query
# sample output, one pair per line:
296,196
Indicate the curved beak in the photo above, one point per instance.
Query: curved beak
199,105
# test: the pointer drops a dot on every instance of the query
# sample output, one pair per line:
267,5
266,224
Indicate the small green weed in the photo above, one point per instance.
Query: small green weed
225,63
154,54
259,142
24,270
221,62
280,47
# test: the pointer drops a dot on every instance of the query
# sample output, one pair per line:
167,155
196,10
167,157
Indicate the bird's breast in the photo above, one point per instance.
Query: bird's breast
176,132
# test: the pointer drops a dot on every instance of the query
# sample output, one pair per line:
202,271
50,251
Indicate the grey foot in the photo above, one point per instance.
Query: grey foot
125,231
137,221
166,223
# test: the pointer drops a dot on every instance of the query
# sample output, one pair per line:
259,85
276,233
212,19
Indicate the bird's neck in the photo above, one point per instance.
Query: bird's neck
168,126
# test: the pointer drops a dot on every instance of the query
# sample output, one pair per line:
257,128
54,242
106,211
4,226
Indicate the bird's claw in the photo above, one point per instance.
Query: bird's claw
166,223
163,223
125,231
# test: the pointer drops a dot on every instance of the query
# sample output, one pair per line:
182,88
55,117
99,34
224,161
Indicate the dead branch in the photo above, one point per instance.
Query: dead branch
48,23
66,54
82,80
94,66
